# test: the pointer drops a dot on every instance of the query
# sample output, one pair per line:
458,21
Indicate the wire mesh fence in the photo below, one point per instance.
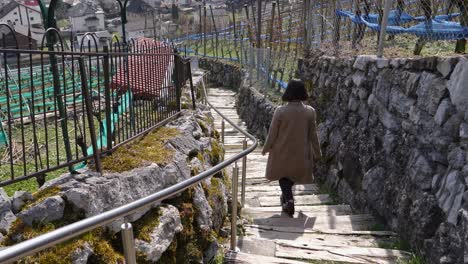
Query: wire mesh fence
64,109
232,35
413,27
285,29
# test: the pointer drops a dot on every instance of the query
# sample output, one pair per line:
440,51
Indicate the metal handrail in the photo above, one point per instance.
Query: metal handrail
68,232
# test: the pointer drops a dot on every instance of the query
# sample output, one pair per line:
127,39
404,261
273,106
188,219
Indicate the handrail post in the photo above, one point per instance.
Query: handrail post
223,127
128,243
235,183
383,28
244,173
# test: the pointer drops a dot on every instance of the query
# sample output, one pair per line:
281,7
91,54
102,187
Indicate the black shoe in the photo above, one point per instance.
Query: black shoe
288,208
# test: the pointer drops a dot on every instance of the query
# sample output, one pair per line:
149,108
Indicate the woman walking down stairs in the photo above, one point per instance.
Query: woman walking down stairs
320,231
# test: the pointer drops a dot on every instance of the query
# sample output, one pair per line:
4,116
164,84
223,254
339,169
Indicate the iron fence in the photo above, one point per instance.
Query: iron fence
64,109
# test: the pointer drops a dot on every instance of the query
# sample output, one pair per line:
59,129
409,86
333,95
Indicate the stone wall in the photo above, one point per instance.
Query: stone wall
255,110
228,75
395,138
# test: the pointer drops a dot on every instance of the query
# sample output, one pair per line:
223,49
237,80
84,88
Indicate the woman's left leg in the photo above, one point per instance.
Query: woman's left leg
287,198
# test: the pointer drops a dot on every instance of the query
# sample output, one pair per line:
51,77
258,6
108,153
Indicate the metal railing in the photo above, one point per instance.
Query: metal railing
74,230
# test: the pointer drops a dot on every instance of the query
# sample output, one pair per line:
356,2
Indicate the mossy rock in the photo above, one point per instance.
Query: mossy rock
41,195
149,149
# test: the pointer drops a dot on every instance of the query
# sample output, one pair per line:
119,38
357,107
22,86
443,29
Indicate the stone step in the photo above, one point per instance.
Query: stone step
303,187
300,230
313,240
321,199
323,222
245,258
346,254
274,212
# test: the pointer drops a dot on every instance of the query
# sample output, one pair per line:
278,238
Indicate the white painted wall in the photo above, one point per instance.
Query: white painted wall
79,24
19,16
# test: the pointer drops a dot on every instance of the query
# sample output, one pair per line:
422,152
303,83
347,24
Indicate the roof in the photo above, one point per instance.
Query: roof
147,80
139,7
8,8
11,6
82,9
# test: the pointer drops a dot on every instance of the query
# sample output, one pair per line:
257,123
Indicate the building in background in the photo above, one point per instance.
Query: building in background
86,17
15,13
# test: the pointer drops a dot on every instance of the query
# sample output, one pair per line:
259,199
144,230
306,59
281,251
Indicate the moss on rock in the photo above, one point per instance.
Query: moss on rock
145,225
40,196
150,148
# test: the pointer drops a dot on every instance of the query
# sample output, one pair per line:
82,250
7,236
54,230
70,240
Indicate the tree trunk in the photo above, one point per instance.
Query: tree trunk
463,7
427,9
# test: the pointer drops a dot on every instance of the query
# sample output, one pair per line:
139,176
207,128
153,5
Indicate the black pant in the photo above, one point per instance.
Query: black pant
286,188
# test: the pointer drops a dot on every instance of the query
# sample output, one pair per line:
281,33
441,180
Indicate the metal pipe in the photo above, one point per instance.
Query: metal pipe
223,127
235,185
76,229
383,28
244,173
128,243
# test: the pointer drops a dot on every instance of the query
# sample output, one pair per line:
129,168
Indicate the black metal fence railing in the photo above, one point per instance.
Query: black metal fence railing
65,109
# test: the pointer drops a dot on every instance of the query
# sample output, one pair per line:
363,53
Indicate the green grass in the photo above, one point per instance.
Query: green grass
414,259
378,227
398,244
401,46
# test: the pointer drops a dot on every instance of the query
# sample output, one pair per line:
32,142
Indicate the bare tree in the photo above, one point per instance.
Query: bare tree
427,9
463,7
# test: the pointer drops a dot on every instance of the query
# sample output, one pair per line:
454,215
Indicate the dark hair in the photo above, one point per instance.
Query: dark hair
295,91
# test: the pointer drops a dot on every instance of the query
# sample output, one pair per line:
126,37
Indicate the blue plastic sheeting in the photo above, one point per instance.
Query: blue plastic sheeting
435,29
395,17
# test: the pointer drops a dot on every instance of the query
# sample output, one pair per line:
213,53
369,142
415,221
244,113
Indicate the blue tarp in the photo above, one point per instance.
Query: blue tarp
435,29
396,18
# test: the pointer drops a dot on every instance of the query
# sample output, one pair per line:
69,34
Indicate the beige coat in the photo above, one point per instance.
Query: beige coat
292,143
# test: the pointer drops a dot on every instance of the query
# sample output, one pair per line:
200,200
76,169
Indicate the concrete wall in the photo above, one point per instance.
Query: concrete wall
395,138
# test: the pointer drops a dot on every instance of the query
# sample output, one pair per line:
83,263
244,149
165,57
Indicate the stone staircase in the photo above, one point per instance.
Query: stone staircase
322,230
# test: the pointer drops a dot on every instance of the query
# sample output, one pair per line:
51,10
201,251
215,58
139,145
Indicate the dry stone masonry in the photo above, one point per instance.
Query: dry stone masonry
395,138
202,209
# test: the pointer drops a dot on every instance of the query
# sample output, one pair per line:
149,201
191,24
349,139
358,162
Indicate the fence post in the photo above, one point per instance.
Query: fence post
244,173
89,114
235,183
59,98
307,24
107,93
383,28
192,89
235,32
204,28
177,71
223,128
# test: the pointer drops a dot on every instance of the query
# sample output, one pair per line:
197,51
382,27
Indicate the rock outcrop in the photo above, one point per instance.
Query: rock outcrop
74,197
6,215
162,235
